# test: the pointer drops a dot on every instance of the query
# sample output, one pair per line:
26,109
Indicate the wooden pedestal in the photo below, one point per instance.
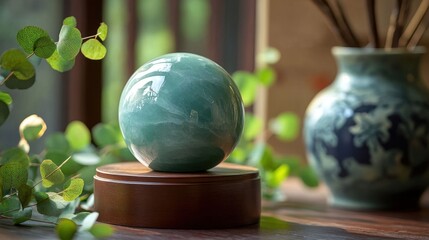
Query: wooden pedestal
130,194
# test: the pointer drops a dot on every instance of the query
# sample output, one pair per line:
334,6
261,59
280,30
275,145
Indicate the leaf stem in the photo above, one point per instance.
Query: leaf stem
12,72
6,78
56,169
373,37
414,23
92,36
30,55
31,219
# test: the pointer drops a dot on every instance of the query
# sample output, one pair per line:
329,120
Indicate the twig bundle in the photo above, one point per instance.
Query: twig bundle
403,31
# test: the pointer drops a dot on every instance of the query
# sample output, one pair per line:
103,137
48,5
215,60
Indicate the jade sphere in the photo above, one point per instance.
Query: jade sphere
181,112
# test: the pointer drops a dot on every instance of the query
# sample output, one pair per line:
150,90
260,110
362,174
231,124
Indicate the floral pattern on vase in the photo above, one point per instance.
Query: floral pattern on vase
367,135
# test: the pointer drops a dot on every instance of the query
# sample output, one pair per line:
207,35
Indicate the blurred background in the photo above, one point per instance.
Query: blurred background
230,32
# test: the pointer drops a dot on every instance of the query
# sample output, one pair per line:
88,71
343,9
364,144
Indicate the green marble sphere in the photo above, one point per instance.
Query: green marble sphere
181,113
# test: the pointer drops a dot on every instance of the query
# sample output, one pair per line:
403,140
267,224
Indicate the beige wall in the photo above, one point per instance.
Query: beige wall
301,33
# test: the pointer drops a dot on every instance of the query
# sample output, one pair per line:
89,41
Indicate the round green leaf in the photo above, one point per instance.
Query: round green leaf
70,168
66,229
4,112
69,43
57,142
50,173
25,194
93,49
70,21
5,97
104,134
74,189
13,175
86,158
9,205
269,56
50,204
32,128
252,127
22,215
247,83
266,76
16,61
275,178
101,230
27,37
285,126
15,83
309,177
58,63
78,135
44,47
89,221
16,155
102,31
79,217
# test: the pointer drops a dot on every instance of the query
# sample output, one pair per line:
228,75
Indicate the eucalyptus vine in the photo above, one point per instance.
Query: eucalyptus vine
49,187
17,66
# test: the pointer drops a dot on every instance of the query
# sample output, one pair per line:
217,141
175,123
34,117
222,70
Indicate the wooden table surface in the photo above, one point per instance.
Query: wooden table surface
304,215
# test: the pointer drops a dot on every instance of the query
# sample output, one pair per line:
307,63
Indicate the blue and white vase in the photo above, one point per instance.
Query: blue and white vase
367,134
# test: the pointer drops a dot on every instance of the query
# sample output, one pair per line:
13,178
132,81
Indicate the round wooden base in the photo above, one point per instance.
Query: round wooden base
130,194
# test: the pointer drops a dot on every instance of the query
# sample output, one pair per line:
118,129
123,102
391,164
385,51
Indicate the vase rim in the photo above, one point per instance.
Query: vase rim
341,51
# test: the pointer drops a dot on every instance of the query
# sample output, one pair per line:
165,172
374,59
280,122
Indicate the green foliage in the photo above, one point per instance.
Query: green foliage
66,229
285,126
44,47
14,60
253,148
89,221
28,36
105,134
24,185
102,31
58,63
78,135
101,230
5,101
4,112
50,203
70,21
50,173
93,49
69,42
9,205
248,85
21,187
15,83
22,215
25,193
16,65
74,189
5,97
57,142
32,128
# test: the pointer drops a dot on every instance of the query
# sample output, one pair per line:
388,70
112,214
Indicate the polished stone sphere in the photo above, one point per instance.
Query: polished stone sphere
181,113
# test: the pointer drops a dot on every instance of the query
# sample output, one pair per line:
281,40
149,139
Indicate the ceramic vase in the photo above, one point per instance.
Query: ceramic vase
367,134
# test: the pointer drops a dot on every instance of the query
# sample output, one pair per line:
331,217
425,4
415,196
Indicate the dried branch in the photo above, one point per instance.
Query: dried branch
326,9
397,21
372,20
415,21
418,34
344,24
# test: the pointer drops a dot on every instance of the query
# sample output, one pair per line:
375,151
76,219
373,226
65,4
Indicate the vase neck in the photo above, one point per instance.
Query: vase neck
403,66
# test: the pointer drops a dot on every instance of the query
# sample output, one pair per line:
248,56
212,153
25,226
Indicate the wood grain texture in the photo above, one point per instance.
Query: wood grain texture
304,216
130,194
